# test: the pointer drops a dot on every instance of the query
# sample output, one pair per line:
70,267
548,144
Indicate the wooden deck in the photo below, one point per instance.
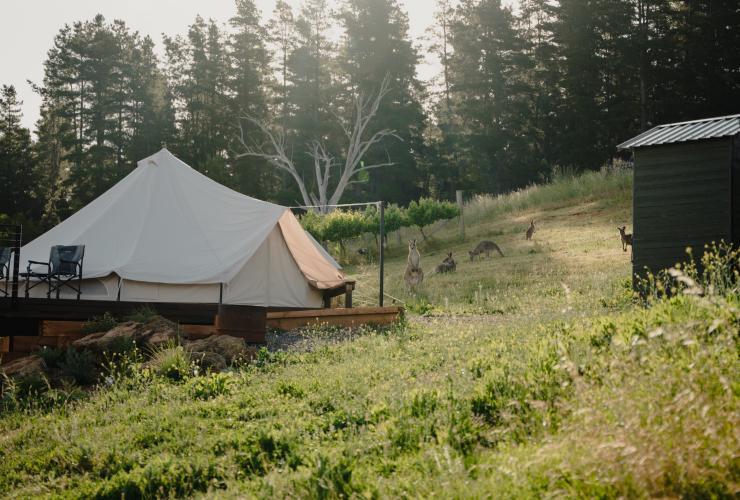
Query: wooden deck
357,316
19,318
34,323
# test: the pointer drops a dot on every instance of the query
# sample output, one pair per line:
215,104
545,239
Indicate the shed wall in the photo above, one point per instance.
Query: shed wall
736,190
682,198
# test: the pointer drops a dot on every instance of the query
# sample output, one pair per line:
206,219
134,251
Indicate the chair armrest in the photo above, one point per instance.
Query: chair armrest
30,262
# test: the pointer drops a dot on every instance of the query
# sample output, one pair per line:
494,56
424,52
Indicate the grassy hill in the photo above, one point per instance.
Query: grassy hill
526,376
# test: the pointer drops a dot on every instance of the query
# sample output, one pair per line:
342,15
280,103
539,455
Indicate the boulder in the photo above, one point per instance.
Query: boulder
209,360
27,367
154,332
102,341
158,331
229,348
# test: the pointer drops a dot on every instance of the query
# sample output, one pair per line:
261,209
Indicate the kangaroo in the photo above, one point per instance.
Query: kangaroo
485,247
447,266
626,238
413,276
530,231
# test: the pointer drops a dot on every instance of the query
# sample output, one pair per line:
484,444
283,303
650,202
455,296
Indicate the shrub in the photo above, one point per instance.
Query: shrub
428,211
101,323
341,226
161,477
716,273
80,366
124,367
333,478
52,356
172,361
312,222
35,393
394,219
210,386
142,314
19,390
265,449
265,358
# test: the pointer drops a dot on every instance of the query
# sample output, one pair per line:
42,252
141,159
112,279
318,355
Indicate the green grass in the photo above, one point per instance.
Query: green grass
529,376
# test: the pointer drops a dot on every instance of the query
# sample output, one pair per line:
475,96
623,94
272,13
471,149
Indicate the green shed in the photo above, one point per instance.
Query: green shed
686,189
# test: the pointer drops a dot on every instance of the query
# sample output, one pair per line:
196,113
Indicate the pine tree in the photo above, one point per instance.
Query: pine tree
17,161
199,74
152,119
282,38
492,96
248,75
105,104
310,91
707,64
377,44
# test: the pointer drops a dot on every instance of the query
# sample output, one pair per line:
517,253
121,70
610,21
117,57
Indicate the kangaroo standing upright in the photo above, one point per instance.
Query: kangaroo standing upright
626,237
413,276
530,231
626,241
485,247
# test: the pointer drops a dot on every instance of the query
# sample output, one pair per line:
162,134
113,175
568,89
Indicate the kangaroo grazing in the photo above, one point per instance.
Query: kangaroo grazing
413,276
530,231
447,266
626,238
485,247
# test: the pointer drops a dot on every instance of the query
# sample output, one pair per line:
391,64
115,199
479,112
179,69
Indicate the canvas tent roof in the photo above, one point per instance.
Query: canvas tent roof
167,223
323,251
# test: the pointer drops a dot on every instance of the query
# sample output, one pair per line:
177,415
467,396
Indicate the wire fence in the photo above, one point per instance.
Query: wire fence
381,233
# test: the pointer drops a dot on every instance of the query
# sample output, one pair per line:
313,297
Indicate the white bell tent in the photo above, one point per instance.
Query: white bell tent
166,233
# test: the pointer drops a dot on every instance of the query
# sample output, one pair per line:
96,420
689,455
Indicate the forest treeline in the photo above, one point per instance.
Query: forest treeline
519,92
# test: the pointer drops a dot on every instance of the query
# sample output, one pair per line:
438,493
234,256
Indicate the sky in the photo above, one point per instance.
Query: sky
28,28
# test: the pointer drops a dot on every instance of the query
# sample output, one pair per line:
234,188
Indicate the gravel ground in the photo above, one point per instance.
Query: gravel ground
310,339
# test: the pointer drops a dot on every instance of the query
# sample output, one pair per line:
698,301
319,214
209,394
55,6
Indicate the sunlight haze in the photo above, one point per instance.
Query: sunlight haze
31,35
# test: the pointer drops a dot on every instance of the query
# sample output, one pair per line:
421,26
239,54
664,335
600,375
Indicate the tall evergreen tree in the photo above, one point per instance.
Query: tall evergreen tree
199,74
310,90
377,44
707,65
152,119
103,102
282,38
17,161
492,96
247,81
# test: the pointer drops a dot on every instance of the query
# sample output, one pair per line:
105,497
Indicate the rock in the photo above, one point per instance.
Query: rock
211,360
102,341
230,348
30,366
156,331
215,351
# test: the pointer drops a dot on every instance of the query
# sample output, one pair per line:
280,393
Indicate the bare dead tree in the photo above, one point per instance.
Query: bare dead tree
273,149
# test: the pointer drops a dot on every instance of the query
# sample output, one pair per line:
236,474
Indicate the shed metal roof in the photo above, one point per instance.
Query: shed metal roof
708,128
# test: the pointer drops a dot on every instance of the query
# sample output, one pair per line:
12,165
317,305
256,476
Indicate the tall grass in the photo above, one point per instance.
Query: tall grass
569,390
611,184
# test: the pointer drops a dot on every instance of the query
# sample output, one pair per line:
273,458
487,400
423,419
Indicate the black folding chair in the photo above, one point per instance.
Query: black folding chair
5,268
63,269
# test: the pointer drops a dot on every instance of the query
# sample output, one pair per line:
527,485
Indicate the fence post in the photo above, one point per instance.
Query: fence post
382,251
461,223
16,263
